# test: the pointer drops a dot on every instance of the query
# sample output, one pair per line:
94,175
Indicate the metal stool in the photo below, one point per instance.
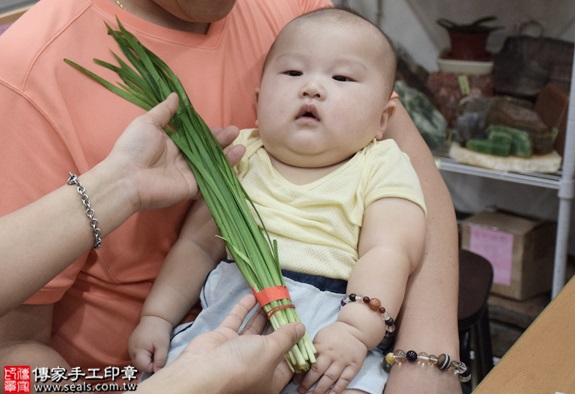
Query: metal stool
475,280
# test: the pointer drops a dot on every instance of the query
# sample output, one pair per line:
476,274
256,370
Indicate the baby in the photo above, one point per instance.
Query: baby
344,205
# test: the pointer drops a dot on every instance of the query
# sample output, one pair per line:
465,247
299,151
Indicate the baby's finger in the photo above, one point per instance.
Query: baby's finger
143,361
313,375
160,358
344,380
330,376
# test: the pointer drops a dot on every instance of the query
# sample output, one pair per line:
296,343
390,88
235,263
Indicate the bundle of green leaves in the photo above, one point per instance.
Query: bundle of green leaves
148,82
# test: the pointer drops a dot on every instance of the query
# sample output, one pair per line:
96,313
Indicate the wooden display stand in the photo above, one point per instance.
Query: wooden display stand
541,360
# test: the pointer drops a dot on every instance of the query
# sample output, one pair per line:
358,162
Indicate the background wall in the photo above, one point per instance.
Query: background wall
412,24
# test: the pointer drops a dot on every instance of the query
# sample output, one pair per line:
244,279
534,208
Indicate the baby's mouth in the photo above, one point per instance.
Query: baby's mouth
308,111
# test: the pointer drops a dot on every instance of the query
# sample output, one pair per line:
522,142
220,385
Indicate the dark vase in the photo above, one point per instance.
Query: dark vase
469,41
468,45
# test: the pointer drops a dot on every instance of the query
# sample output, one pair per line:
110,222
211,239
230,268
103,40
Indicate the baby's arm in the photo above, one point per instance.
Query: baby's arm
177,287
390,247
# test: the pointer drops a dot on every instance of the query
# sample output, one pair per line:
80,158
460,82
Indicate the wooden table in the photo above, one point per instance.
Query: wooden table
542,361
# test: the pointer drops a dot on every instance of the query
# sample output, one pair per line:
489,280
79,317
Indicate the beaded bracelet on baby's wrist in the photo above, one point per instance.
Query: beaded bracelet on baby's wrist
443,362
375,305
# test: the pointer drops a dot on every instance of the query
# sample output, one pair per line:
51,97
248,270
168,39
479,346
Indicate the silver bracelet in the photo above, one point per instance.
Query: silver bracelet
73,180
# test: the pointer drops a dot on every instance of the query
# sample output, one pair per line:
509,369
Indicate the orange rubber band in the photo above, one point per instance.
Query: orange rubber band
279,308
270,294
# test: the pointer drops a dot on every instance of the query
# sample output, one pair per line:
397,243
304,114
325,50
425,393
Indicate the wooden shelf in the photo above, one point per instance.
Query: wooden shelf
549,181
560,181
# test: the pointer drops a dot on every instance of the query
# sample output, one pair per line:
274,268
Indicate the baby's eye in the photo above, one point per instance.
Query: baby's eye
293,73
342,78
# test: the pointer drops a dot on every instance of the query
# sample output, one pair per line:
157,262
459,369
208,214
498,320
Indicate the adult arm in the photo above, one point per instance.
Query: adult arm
144,170
428,320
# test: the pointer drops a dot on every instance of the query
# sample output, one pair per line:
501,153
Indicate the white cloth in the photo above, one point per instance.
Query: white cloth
225,286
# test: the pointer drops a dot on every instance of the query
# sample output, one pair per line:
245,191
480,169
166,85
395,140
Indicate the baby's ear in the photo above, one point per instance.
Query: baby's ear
387,113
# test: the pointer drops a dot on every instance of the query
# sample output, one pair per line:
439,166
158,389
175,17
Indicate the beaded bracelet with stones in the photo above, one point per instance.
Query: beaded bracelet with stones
375,305
443,362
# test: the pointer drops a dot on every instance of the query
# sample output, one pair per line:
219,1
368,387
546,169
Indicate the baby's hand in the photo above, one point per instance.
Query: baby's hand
149,342
340,357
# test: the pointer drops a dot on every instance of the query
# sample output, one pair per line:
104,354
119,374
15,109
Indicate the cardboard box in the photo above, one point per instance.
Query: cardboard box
520,249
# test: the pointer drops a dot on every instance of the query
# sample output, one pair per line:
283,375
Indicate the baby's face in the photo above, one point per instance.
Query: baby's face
322,95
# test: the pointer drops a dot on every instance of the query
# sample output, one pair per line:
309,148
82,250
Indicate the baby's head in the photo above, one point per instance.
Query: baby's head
346,21
325,89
